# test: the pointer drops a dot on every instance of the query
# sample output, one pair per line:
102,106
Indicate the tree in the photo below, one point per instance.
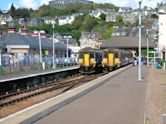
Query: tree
119,20
89,23
22,13
0,12
13,11
103,16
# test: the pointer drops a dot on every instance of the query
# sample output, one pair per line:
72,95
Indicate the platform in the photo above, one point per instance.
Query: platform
21,75
116,98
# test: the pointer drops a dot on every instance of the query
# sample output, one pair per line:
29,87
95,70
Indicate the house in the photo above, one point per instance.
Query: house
51,20
121,32
124,9
82,12
5,18
96,13
35,21
62,20
111,17
90,39
162,30
129,17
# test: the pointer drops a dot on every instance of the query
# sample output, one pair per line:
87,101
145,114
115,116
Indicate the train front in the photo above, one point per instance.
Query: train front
87,61
108,60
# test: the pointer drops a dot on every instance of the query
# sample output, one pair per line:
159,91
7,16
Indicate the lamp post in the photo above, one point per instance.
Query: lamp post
40,50
147,47
67,46
53,50
139,62
67,51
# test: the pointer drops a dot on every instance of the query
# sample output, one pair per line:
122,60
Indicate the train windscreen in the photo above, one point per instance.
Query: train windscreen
80,54
91,54
105,54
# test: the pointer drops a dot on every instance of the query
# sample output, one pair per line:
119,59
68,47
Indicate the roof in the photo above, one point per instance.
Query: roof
126,42
33,42
13,39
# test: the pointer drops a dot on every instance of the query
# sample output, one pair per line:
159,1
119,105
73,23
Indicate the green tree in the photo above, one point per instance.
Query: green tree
120,21
89,23
22,13
103,16
76,34
13,11
0,12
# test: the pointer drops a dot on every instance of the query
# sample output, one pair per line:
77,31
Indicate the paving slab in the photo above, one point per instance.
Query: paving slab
120,100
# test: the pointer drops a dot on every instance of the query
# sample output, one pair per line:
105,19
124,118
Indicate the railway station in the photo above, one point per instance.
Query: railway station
101,66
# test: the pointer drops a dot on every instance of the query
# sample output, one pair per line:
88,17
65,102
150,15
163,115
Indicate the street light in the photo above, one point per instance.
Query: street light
139,62
53,54
40,49
67,47
147,47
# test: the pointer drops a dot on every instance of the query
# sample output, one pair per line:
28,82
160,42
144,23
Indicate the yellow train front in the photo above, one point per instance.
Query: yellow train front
90,60
115,58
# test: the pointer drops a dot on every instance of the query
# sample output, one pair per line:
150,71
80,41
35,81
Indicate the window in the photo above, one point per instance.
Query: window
80,54
116,54
91,54
105,54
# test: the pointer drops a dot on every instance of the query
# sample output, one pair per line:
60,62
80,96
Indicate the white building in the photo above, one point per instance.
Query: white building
66,20
162,30
89,39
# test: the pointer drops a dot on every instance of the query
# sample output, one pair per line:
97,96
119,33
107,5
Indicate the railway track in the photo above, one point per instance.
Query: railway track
66,84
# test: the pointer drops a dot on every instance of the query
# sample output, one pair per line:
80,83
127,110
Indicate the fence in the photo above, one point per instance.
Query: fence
13,64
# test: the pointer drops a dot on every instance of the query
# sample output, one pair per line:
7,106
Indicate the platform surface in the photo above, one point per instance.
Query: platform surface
120,100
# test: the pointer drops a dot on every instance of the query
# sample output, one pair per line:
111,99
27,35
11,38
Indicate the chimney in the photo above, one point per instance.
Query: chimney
11,30
24,32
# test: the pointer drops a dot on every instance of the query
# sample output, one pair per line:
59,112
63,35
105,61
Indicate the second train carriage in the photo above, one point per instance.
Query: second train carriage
90,60
115,58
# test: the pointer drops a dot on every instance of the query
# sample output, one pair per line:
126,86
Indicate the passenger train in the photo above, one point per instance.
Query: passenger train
94,60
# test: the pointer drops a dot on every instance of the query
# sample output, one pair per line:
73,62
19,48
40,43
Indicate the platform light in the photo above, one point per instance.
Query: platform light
139,62
40,49
67,47
53,49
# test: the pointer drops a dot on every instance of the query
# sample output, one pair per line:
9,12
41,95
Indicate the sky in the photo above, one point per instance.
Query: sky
5,4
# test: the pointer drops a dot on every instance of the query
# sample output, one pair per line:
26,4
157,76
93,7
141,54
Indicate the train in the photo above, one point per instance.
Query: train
95,60
90,60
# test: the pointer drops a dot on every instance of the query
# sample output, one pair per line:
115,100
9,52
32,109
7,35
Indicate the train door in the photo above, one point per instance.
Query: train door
86,59
111,59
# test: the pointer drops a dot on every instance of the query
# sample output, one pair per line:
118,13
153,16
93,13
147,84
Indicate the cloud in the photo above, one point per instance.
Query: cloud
42,2
28,4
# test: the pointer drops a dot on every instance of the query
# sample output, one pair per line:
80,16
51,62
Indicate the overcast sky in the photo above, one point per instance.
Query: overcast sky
5,4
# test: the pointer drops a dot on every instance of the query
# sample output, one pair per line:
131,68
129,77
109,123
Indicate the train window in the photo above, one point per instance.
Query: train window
92,55
116,54
80,54
105,54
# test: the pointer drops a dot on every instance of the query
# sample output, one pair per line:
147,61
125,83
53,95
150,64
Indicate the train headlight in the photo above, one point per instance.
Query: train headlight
80,61
105,61
92,61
